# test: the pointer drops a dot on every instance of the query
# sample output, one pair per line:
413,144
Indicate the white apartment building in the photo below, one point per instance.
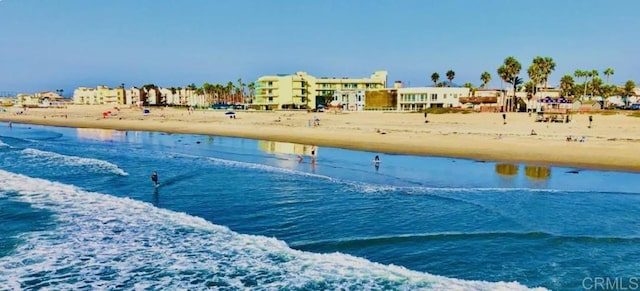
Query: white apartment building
351,100
419,98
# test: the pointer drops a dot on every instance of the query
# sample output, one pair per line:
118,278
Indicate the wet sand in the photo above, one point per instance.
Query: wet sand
612,143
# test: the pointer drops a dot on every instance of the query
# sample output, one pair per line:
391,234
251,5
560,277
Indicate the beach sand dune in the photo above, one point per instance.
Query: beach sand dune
612,142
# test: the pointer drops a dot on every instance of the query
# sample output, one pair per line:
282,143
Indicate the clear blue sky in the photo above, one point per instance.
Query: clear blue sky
51,44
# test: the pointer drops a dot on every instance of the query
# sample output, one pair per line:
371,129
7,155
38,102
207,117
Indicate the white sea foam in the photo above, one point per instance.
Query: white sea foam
2,144
94,164
105,242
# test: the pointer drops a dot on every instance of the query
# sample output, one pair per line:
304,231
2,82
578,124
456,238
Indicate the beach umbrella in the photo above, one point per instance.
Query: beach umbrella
230,113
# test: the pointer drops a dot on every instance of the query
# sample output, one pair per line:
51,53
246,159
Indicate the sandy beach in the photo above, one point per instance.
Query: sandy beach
612,143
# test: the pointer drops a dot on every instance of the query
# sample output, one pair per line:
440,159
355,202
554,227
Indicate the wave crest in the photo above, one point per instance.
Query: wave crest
94,164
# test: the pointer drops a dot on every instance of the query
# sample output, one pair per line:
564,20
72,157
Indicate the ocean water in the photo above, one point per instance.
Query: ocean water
78,212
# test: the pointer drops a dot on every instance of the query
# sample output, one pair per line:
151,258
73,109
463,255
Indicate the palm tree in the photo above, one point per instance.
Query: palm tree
593,74
240,90
582,74
629,86
566,84
486,78
471,89
509,72
450,75
252,89
597,88
546,65
228,91
608,72
536,74
435,77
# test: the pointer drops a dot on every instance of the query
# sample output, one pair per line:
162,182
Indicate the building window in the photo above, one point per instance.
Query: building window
434,96
270,99
269,83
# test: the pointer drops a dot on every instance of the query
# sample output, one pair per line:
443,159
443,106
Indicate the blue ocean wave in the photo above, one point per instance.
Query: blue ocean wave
106,242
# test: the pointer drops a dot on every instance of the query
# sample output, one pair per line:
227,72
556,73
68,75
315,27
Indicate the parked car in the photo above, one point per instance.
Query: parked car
635,106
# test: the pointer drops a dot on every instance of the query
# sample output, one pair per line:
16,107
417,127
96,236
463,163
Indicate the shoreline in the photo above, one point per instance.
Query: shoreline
475,136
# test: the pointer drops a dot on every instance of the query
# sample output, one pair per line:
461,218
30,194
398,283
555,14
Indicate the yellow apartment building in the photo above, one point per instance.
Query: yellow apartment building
108,95
85,96
304,91
99,95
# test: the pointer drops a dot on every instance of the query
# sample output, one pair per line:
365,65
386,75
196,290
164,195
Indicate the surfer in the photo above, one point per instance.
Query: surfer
376,159
154,178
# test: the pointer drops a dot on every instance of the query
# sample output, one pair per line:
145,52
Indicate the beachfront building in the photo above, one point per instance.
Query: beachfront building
133,96
349,100
85,96
28,100
99,95
304,91
420,98
108,95
51,99
40,99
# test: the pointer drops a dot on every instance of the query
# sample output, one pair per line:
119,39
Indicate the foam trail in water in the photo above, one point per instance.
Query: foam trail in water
367,187
94,164
255,166
105,242
2,144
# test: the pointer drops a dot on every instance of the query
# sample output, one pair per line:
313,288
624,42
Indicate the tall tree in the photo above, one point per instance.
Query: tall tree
240,90
450,75
229,91
435,77
536,74
597,88
582,74
486,78
546,65
252,89
593,74
629,86
509,72
566,85
608,72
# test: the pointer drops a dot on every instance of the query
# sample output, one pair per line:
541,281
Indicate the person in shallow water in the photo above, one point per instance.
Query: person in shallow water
154,178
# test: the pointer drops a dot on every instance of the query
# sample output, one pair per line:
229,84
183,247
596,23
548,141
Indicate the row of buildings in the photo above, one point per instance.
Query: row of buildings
138,96
304,91
292,91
